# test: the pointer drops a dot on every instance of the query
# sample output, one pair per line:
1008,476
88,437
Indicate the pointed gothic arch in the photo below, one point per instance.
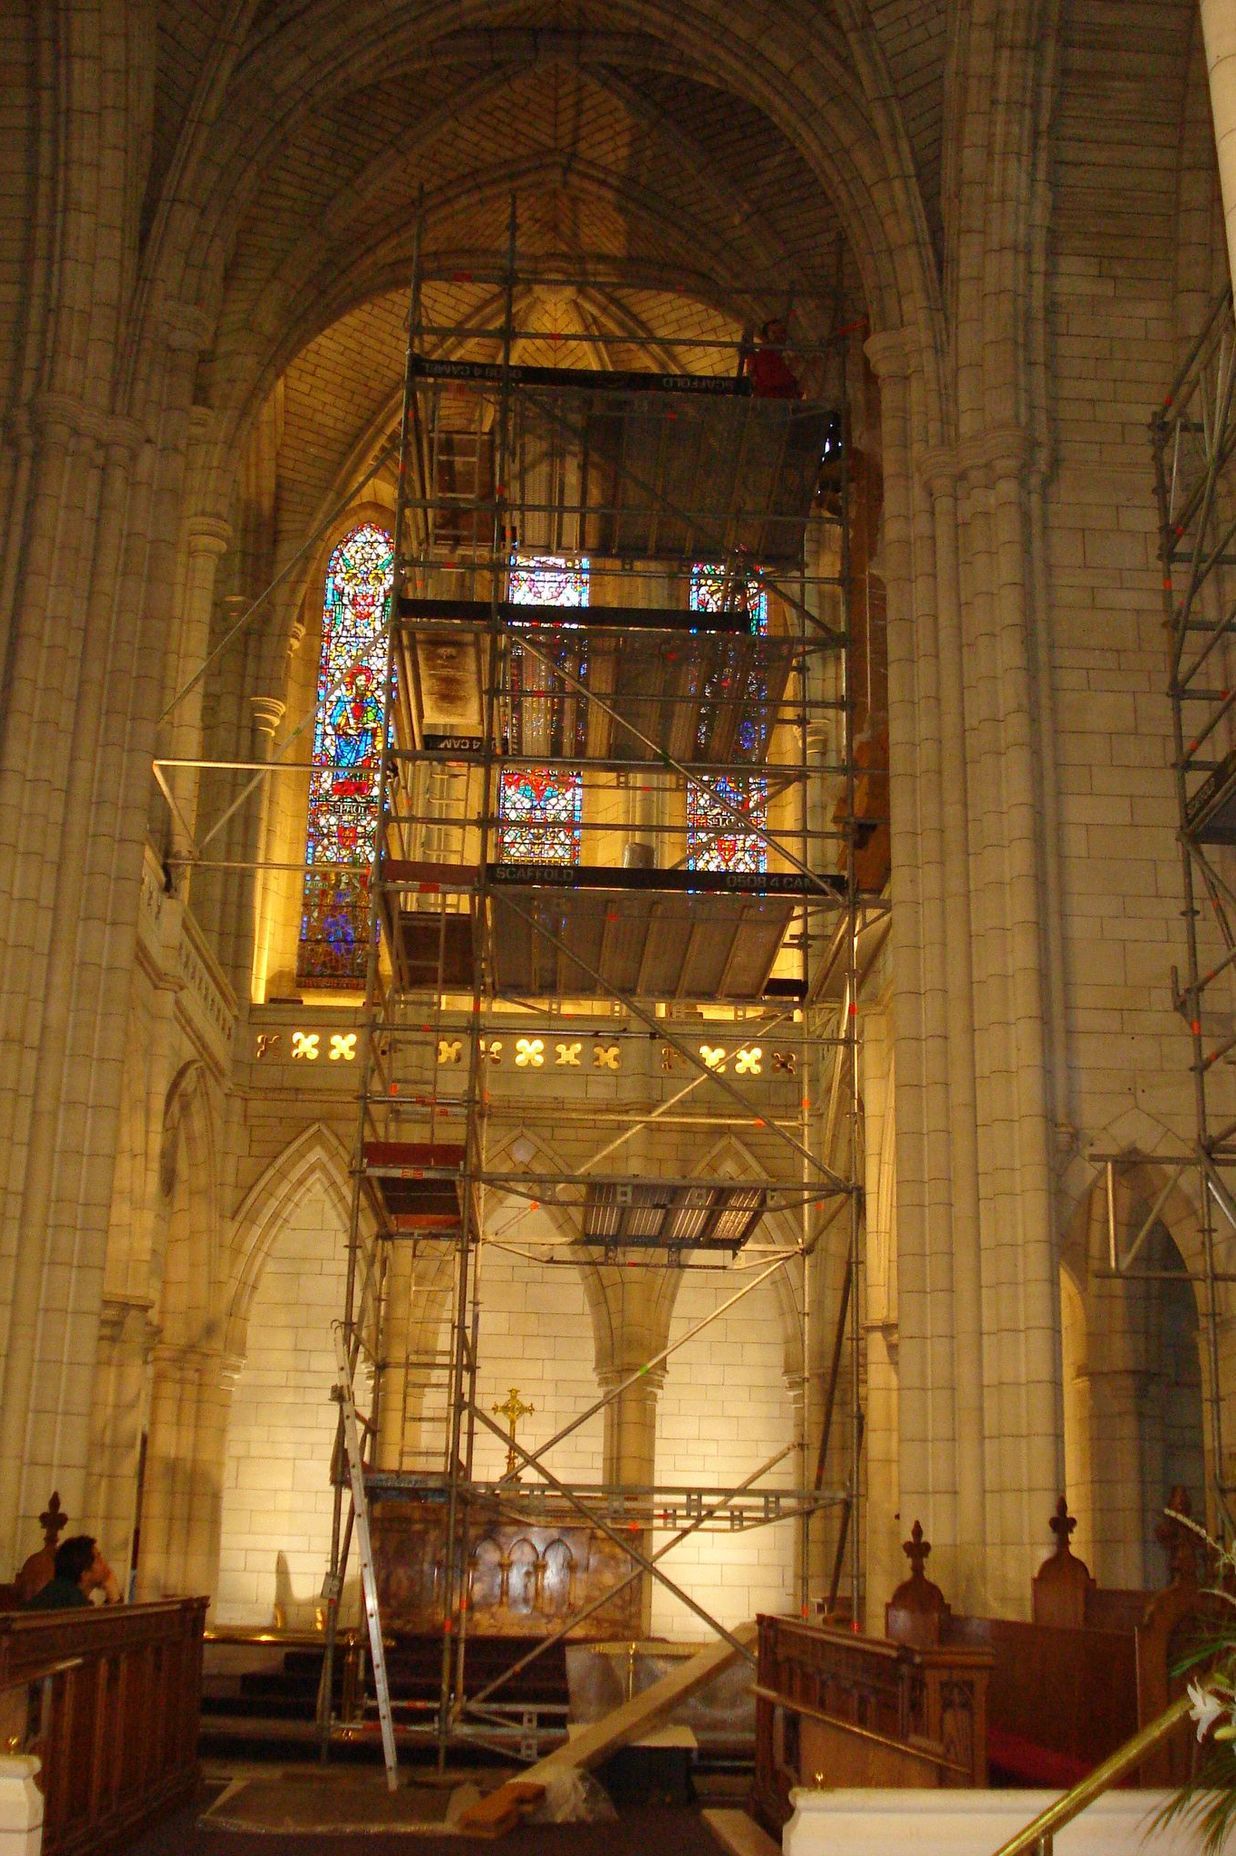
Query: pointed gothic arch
315,1157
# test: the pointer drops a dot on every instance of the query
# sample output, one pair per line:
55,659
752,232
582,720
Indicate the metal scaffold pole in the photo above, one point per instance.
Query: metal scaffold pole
1193,434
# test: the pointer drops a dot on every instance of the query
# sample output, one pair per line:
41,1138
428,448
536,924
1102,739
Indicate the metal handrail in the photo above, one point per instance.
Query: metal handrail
1036,1838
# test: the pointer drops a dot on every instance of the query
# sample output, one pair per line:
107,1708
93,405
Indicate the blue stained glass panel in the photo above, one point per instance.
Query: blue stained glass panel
716,839
713,589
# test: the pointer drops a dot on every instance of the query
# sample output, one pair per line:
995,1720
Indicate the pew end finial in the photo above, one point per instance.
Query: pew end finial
917,1612
1061,1587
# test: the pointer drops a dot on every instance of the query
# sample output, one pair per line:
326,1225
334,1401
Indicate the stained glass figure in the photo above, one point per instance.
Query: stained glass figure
540,808
347,746
716,839
715,588
539,811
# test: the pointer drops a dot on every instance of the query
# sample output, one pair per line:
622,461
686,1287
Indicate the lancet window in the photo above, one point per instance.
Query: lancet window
347,743
716,838
540,808
716,588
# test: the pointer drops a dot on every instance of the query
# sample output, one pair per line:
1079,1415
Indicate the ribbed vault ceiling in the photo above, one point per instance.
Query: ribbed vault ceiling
657,201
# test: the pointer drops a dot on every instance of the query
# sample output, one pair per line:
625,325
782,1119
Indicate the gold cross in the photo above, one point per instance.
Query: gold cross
512,1411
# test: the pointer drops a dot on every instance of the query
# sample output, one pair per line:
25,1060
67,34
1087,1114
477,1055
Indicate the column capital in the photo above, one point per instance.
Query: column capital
610,1376
209,535
267,713
202,422
1000,452
231,1366
938,468
893,353
185,326
186,1363
126,1319
61,417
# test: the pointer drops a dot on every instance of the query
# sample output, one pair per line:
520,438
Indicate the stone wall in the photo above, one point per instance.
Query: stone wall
275,1539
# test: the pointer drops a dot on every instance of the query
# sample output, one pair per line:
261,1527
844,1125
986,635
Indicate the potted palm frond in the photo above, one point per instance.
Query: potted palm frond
1207,1799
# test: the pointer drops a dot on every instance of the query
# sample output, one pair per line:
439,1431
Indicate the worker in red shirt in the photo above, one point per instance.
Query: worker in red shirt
770,374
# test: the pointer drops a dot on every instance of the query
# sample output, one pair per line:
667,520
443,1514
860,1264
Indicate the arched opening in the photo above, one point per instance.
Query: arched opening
1132,1378
342,824
274,1540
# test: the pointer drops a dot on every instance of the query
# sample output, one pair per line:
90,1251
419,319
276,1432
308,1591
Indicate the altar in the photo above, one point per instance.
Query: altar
523,1579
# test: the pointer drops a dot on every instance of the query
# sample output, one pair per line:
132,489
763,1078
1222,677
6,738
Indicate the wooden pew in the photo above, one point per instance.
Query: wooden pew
108,1699
1102,1657
835,1707
1042,1702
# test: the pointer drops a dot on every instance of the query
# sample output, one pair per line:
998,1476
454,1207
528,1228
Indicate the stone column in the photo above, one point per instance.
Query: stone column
938,475
190,1399
1219,39
88,640
1226,1335
1116,1526
59,673
207,538
929,1470
883,1531
630,1442
394,1419
262,897
629,1451
980,1401
1021,1393
812,1561
127,1337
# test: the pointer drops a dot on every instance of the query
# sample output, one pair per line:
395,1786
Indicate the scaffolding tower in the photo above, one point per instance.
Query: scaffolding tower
1194,439
723,867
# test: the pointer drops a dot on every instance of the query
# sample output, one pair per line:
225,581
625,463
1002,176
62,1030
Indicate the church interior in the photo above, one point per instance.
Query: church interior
618,784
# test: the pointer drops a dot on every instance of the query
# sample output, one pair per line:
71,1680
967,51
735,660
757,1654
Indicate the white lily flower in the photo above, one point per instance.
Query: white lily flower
1205,1708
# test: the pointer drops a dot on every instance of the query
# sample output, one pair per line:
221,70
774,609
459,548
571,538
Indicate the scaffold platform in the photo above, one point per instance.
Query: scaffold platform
620,1505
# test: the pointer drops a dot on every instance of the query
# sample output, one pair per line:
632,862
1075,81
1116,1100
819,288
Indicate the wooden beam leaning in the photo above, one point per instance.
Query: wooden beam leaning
595,1742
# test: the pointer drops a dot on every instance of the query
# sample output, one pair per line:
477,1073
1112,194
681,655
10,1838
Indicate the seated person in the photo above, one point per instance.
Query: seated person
80,1570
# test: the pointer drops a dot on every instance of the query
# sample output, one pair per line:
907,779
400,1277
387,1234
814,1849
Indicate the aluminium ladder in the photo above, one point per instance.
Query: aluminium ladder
369,1584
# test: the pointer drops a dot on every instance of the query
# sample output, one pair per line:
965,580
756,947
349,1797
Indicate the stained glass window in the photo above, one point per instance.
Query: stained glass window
547,580
716,589
540,808
715,838
347,744
539,811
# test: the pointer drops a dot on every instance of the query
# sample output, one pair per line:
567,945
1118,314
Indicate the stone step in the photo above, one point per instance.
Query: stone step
738,1834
